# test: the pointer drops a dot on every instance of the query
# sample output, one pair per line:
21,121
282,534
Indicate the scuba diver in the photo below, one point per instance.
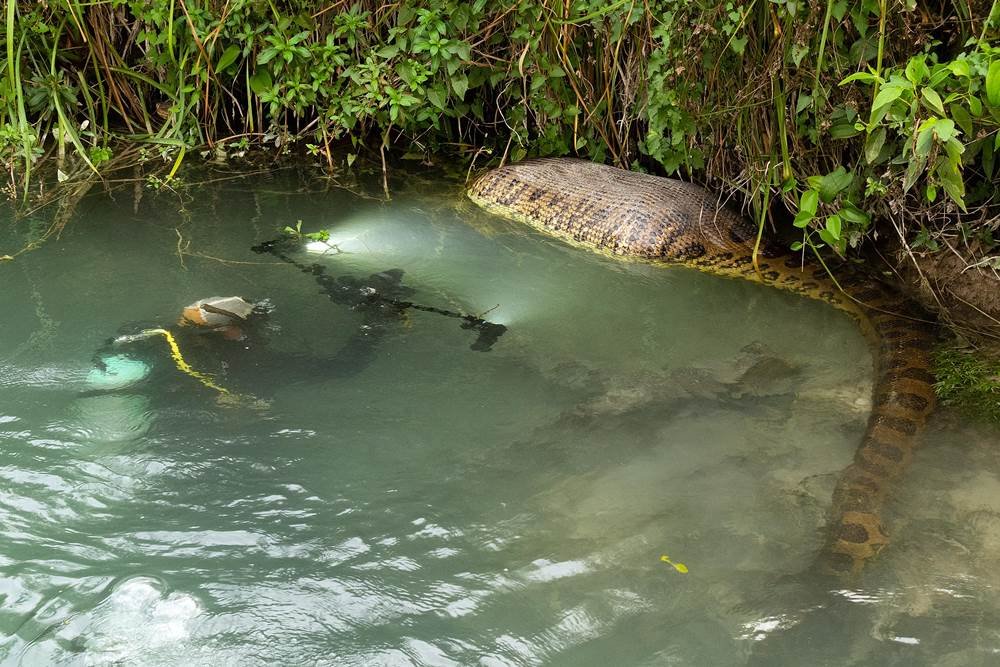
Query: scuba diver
218,339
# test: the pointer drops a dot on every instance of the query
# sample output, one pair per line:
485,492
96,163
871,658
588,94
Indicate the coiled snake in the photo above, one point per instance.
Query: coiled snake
666,221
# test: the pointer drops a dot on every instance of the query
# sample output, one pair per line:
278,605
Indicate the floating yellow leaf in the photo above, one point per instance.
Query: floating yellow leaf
680,567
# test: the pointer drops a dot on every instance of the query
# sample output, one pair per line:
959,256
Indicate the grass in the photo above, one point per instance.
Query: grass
968,381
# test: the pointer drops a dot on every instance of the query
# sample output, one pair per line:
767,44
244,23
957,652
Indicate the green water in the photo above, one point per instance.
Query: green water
442,505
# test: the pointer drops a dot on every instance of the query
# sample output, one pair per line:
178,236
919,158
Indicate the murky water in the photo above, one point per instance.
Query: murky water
426,503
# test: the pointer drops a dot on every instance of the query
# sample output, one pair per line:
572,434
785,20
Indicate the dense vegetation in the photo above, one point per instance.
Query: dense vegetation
843,109
837,120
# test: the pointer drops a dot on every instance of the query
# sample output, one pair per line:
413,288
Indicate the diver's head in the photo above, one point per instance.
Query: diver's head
225,314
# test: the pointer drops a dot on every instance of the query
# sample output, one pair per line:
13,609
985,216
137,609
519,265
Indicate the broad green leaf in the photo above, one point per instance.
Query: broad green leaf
859,76
261,82
961,117
951,181
843,131
809,202
944,129
267,55
388,51
932,100
938,75
960,68
873,144
802,219
834,226
228,58
975,106
913,171
886,96
460,84
993,83
954,148
987,158
855,215
437,97
834,183
916,70
925,141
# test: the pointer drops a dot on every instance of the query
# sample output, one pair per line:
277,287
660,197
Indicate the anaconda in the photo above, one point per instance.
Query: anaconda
660,220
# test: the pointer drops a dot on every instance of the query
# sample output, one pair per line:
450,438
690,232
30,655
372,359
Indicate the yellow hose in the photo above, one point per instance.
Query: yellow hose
182,365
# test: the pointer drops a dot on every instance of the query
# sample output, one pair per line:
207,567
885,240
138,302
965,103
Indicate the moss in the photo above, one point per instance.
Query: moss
969,381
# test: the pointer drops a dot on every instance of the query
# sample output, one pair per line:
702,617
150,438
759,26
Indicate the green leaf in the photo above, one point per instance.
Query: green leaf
809,202
954,148
925,141
932,100
961,117
873,144
859,76
987,158
855,215
261,82
460,84
437,97
975,106
388,51
993,83
834,226
267,55
228,58
886,96
951,181
916,70
913,171
843,131
834,183
960,68
944,129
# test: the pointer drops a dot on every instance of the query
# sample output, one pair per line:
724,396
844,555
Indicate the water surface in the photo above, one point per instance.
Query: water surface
443,505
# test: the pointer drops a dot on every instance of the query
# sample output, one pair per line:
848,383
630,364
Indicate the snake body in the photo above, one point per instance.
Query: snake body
660,220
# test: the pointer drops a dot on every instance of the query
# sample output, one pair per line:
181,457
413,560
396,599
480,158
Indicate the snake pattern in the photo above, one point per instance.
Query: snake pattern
660,220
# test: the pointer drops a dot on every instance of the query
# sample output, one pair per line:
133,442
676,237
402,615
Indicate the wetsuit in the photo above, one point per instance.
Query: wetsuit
246,363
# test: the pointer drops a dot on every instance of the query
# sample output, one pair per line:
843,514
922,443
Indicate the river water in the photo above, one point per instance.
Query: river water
425,503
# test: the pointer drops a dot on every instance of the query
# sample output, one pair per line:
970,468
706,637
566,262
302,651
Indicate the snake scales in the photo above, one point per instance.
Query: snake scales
666,221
